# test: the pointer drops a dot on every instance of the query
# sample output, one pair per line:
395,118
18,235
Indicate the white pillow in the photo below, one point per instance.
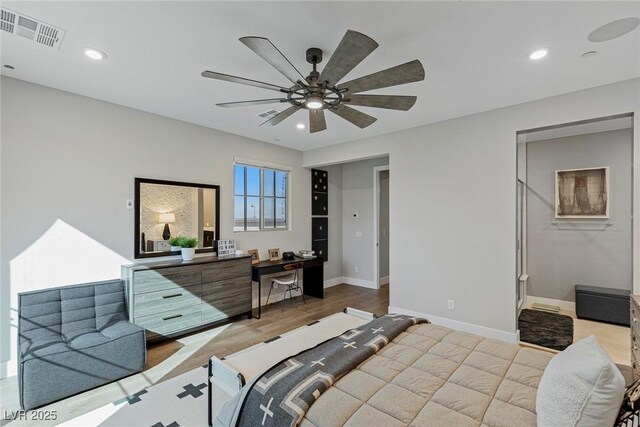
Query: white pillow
581,386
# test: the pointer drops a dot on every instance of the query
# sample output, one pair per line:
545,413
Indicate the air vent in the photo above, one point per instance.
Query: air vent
268,114
30,28
7,20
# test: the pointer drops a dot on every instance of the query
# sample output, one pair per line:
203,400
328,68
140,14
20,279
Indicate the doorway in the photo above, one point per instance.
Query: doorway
574,219
381,225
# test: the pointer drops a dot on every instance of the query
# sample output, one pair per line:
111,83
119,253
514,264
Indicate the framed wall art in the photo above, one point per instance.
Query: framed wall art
582,193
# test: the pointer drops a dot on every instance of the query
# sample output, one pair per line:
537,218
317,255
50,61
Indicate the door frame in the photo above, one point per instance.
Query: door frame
376,223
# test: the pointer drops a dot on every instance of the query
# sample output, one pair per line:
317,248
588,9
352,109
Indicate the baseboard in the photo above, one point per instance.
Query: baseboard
384,280
332,282
359,282
510,337
564,305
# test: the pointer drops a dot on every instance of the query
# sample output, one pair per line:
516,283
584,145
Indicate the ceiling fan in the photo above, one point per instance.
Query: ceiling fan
321,91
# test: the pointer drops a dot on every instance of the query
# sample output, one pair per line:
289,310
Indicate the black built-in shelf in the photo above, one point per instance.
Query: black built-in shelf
320,213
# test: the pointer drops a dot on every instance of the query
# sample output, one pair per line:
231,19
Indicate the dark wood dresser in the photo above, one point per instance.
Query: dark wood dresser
169,298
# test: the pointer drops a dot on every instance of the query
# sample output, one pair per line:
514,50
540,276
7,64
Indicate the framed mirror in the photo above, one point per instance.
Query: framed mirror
168,209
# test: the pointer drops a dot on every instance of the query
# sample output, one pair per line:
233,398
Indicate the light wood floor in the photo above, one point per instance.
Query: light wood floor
613,338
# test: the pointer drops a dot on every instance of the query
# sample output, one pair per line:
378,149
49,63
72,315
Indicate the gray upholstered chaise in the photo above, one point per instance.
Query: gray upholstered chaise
74,338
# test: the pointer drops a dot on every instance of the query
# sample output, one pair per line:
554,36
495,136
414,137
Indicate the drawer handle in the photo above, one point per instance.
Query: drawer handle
172,317
171,296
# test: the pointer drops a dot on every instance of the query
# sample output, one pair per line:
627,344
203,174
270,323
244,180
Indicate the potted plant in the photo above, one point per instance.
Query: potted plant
188,247
175,243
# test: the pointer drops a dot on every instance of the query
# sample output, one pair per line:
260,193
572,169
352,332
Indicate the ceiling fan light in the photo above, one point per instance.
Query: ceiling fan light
314,102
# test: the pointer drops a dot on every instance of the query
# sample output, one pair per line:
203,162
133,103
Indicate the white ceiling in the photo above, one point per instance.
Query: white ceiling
474,53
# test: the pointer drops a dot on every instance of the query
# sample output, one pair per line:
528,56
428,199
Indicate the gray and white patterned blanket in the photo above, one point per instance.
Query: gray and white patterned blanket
283,394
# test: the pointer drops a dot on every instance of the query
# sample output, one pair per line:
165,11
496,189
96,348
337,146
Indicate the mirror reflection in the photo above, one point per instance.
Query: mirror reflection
170,210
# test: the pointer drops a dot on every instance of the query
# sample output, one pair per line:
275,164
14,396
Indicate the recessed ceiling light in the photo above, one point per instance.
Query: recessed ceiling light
614,29
95,54
538,54
301,126
10,67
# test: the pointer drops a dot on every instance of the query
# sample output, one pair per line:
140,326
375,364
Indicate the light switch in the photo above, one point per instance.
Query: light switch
129,204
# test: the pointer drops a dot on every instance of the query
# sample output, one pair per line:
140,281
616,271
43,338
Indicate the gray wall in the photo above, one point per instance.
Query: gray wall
573,252
68,164
383,232
357,196
453,198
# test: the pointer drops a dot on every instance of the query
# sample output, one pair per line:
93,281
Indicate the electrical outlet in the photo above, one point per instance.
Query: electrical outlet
129,204
356,269
451,305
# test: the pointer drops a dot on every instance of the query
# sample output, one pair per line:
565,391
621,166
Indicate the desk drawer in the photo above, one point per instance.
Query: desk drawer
169,299
226,269
171,321
166,278
223,308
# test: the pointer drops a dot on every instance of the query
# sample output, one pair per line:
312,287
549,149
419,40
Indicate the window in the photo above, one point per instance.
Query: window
260,198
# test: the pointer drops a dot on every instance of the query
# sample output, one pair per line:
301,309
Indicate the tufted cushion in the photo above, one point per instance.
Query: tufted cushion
74,338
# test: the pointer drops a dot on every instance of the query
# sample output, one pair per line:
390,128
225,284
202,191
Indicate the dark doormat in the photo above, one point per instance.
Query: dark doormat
549,330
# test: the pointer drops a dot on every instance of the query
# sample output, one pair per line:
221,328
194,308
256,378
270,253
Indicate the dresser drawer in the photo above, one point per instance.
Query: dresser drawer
166,278
226,269
238,286
170,321
225,307
169,299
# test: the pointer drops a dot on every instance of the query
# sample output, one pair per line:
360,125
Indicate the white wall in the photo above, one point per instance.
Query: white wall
333,267
563,253
357,233
68,164
453,199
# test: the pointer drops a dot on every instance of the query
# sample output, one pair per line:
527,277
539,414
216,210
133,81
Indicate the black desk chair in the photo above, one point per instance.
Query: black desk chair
290,281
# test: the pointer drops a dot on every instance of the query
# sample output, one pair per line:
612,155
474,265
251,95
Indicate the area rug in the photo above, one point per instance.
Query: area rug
178,402
549,330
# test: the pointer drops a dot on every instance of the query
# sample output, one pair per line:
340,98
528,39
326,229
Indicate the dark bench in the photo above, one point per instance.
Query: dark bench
603,304
74,338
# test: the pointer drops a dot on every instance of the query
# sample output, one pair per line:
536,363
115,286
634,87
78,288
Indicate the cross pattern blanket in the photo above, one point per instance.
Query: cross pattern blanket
283,394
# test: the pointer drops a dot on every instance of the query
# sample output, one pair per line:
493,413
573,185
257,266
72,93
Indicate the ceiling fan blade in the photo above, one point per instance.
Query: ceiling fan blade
267,51
398,75
243,81
281,116
317,121
391,102
356,117
248,103
353,48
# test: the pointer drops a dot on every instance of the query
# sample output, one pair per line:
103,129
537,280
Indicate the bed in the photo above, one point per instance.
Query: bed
408,373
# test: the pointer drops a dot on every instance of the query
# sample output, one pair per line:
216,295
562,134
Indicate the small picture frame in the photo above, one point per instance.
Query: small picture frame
255,256
275,254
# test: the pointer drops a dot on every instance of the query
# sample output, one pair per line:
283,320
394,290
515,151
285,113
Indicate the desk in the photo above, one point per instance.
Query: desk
312,276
